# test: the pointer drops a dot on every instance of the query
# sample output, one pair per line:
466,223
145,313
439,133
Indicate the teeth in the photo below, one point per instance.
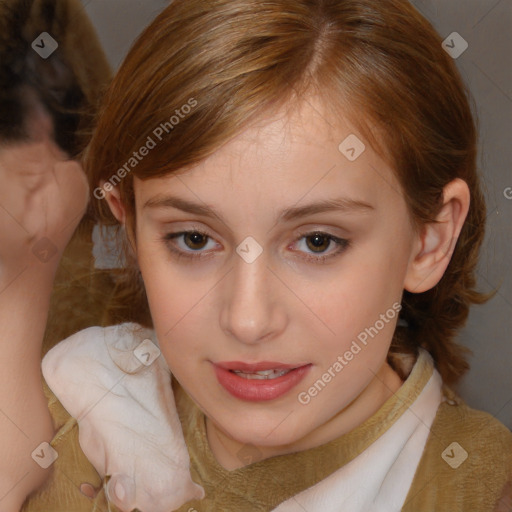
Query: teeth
263,374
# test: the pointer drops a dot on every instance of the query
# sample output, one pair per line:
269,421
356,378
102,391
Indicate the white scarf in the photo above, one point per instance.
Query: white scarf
116,384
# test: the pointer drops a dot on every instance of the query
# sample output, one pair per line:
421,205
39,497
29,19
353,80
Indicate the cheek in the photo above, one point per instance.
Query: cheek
364,297
171,301
176,303
367,287
165,290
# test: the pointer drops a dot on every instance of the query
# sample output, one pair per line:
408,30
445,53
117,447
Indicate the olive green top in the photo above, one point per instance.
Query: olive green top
476,485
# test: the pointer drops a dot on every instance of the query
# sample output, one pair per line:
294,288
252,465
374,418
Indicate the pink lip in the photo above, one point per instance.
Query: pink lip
252,390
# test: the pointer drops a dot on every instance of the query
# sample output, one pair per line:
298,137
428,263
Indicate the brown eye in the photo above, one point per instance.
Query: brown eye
316,246
195,240
318,242
189,244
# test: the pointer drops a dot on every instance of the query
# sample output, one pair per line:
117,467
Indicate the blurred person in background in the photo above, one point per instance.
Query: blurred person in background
47,103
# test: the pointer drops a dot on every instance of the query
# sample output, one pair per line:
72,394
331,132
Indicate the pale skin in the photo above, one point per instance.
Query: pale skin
284,306
43,196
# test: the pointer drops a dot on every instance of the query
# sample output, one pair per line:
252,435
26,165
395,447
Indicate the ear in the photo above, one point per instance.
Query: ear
113,198
435,244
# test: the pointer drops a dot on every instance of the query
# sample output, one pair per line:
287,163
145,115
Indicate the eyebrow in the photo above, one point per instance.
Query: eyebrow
341,204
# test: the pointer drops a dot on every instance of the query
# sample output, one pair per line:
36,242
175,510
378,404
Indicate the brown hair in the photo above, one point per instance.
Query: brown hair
379,62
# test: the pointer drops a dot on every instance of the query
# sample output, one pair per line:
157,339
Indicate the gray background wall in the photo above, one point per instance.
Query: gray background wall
486,66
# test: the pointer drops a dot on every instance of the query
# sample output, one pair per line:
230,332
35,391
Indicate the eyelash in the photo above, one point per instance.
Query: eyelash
342,244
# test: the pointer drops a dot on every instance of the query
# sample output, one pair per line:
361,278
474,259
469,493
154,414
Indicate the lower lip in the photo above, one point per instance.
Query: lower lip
257,390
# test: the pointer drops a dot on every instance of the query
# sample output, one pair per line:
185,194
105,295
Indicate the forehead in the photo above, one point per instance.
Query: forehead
301,151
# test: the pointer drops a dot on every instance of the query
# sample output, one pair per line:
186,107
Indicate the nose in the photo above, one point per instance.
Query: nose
253,309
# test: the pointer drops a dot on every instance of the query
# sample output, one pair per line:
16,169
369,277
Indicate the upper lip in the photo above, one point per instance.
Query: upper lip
256,367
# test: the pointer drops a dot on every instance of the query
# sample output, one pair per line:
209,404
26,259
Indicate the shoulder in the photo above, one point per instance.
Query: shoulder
466,463
93,344
95,359
76,357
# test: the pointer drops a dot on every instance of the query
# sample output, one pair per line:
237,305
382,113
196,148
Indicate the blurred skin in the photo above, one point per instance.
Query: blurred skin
209,305
44,194
42,198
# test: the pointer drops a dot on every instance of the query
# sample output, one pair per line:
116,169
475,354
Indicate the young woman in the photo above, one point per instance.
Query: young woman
297,188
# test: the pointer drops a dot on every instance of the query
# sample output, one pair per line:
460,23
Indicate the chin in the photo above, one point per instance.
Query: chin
273,433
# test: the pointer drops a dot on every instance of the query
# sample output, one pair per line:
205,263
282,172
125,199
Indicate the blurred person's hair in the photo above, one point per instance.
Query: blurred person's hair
64,88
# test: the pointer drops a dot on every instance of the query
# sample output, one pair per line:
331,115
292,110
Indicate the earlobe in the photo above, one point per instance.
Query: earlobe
113,198
436,242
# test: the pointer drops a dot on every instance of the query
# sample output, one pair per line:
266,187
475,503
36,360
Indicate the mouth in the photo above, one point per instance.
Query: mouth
262,375
259,381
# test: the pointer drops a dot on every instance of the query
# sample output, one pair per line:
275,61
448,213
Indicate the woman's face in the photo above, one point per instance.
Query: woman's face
275,310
